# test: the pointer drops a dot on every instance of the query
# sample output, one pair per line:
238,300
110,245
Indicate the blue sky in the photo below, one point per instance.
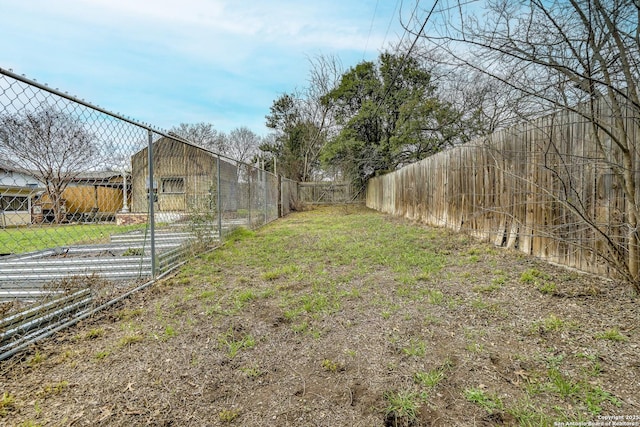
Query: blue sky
167,62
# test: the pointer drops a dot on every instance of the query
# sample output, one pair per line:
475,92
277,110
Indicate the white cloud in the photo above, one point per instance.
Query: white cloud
225,58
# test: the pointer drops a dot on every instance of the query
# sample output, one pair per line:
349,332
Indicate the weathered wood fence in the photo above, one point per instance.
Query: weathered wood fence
330,192
542,187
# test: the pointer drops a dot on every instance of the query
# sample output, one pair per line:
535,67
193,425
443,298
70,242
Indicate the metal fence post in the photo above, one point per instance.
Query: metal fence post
280,196
266,195
219,199
250,180
152,222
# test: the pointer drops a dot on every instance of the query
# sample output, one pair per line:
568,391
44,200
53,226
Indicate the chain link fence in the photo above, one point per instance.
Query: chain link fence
94,205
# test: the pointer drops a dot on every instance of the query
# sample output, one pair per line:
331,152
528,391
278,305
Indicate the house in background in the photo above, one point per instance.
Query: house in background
94,196
17,190
185,180
91,196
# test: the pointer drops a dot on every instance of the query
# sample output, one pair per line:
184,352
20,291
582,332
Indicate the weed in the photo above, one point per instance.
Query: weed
300,327
318,302
207,295
594,370
548,288
101,354
479,304
562,385
528,416
487,401
29,423
128,314
554,361
36,359
591,357
353,293
430,319
292,313
551,323
452,303
594,398
233,344
228,415
429,379
94,333
487,288
246,296
404,291
55,388
612,335
433,296
331,366
129,339
474,251
7,404
280,272
133,252
403,405
66,355
415,348
532,275
251,372
591,396
271,275
169,332
475,348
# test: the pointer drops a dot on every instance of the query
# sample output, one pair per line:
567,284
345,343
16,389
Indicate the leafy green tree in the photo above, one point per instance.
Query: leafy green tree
389,116
292,136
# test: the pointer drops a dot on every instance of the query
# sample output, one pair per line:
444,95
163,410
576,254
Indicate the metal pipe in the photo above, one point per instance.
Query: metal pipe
83,316
45,318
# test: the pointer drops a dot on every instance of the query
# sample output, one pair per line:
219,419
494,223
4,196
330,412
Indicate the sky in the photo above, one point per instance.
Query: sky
166,62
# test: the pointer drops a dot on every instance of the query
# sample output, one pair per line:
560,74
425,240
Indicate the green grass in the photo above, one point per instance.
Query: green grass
552,323
485,400
403,405
331,365
129,339
34,238
430,378
611,335
233,344
228,415
7,403
415,348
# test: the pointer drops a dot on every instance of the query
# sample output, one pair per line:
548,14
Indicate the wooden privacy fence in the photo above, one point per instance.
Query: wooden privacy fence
542,187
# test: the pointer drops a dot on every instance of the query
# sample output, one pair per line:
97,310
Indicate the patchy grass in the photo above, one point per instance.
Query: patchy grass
402,407
34,238
342,317
612,334
7,403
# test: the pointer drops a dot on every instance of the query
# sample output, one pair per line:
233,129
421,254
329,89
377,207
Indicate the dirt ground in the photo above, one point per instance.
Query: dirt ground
343,317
